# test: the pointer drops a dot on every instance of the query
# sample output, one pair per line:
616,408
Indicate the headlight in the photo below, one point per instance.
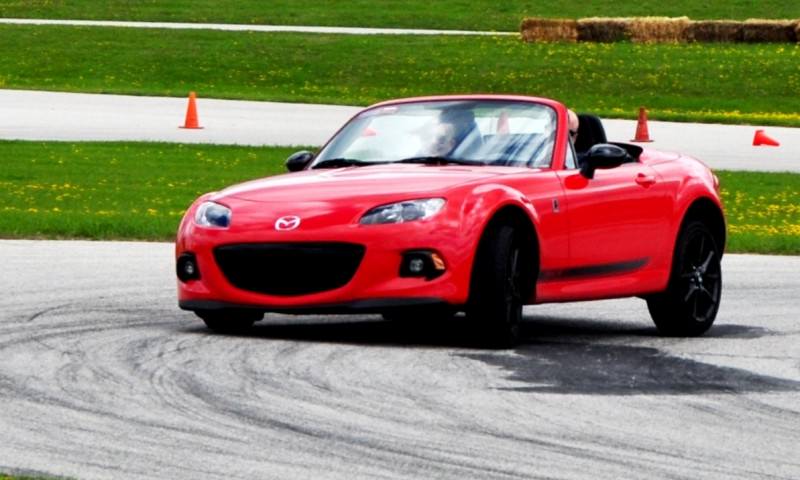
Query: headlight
210,214
402,212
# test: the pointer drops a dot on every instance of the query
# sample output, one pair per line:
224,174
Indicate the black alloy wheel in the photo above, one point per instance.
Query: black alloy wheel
689,305
496,299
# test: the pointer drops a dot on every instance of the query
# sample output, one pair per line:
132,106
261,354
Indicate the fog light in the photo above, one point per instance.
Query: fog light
189,269
416,265
186,267
422,263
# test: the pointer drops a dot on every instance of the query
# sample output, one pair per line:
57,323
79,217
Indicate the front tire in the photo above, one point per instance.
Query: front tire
498,287
229,321
690,303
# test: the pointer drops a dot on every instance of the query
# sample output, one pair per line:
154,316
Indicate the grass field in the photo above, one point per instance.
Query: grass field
115,190
447,14
763,211
718,83
4,476
140,190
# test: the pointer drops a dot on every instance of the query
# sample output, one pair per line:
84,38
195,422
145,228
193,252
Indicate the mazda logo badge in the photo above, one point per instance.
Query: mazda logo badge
289,222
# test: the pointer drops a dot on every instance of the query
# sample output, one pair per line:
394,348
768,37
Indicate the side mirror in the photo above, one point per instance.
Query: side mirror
603,155
299,160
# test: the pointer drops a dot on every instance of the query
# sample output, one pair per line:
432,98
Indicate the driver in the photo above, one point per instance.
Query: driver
444,140
451,131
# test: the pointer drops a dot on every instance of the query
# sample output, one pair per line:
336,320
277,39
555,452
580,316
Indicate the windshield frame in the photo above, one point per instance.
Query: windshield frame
558,117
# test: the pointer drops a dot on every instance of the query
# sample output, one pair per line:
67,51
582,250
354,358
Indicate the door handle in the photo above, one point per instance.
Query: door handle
645,180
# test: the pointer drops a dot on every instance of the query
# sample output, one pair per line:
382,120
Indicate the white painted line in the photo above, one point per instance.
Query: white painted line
249,28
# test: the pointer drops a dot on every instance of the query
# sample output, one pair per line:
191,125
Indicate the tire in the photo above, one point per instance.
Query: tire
498,286
229,321
420,314
689,305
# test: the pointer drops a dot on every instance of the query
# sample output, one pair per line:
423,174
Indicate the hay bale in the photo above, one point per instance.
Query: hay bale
603,30
757,30
713,31
549,30
658,29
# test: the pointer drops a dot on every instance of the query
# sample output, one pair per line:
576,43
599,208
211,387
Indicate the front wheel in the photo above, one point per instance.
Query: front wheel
498,287
689,306
229,321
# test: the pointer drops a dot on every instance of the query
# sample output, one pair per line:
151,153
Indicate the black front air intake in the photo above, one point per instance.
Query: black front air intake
289,268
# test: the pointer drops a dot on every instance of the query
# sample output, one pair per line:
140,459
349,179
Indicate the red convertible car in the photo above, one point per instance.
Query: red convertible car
481,204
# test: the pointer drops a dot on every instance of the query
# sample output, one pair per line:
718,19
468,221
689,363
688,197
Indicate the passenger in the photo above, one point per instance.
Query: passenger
572,125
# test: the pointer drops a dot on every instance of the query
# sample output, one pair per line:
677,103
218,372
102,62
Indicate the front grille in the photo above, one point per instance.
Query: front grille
289,268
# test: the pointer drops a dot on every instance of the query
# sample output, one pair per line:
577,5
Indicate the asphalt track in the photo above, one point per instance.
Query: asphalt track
29,115
103,377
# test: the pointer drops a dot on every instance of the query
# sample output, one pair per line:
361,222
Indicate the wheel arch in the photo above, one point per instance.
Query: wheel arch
520,219
709,212
668,308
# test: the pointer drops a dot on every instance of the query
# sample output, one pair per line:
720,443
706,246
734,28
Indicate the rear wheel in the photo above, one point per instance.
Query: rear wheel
498,287
229,321
689,305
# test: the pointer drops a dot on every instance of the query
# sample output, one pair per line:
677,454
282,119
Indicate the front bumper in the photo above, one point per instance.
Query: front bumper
375,305
376,284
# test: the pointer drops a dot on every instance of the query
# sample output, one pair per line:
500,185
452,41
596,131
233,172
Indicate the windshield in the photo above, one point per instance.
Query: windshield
482,132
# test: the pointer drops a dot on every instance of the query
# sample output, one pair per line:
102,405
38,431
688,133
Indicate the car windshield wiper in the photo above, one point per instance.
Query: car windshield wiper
343,162
433,160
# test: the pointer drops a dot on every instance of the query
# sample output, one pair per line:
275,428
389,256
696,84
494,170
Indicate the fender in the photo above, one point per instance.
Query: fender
702,185
482,205
186,223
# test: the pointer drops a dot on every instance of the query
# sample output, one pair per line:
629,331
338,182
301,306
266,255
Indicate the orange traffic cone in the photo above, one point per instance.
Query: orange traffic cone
761,138
191,114
642,134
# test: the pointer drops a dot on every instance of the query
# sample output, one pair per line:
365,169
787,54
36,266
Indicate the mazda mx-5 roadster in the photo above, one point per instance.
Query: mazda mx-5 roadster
481,204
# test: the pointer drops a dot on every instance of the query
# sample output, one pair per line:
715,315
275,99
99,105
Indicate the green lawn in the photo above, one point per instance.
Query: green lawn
140,190
5,476
731,83
116,190
447,14
763,211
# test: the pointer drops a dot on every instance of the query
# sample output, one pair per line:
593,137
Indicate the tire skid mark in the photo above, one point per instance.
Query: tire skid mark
121,384
66,378
356,446
254,416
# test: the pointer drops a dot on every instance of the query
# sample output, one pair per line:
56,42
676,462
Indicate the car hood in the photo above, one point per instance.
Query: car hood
347,184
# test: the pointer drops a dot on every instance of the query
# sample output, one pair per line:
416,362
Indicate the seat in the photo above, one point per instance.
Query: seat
590,132
509,148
